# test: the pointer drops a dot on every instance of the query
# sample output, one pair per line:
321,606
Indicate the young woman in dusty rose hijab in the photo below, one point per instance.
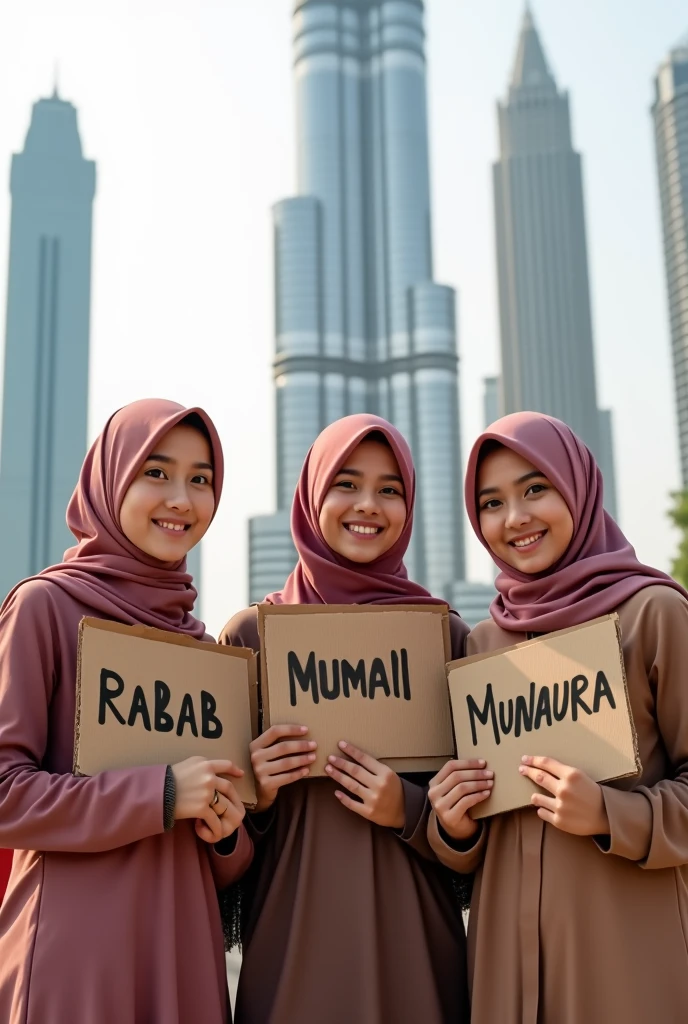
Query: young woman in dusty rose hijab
111,915
580,907
350,916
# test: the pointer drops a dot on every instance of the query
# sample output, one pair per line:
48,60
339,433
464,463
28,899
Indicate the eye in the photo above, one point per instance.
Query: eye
492,503
536,489
200,479
392,490
156,473
344,484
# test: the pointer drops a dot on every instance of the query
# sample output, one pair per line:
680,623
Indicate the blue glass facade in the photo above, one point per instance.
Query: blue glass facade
45,400
360,324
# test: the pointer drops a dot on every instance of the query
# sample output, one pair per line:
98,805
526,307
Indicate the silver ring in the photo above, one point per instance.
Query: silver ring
216,797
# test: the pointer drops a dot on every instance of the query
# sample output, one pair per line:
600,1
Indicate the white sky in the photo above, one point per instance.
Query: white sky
187,108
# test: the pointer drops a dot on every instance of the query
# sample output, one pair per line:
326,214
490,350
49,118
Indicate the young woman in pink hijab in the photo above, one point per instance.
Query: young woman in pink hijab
111,915
350,918
580,905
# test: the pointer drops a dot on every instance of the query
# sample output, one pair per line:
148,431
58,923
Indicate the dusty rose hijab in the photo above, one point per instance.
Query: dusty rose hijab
323,577
598,571
105,571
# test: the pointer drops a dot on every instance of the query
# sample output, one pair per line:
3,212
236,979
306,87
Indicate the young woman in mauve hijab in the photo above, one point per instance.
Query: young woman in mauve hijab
111,915
350,916
580,906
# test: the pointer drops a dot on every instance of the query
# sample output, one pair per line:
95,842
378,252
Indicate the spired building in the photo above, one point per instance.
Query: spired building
360,324
670,113
45,401
548,362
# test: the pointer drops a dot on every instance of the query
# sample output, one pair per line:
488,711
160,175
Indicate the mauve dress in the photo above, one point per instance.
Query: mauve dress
107,919
351,923
571,929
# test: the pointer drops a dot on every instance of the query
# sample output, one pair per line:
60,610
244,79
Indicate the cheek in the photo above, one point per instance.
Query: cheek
490,529
133,516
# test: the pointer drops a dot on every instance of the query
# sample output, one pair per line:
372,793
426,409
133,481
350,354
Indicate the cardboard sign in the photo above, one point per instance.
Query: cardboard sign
146,696
372,675
562,695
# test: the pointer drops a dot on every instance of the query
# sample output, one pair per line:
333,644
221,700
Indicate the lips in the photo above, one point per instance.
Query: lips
363,529
172,528
527,542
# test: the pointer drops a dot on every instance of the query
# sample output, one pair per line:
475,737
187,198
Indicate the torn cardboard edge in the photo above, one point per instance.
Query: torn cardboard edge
410,765
477,812
168,637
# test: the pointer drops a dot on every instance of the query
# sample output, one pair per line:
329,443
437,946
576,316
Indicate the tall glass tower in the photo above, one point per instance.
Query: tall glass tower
360,323
670,112
548,362
45,401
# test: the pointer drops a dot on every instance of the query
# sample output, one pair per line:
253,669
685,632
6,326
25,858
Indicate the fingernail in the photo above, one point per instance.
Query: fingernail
328,768
303,728
489,775
481,761
311,757
312,744
489,782
525,758
342,745
522,770
331,758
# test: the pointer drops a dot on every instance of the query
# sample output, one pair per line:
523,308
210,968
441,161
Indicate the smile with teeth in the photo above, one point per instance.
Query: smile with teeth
171,527
526,542
366,531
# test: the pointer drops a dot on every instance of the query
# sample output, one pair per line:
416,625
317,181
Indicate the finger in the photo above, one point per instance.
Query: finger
472,800
225,768
224,787
230,822
540,800
345,780
462,790
283,780
286,748
547,816
213,823
457,777
284,764
454,766
548,764
275,733
353,805
203,832
540,778
368,762
356,771
236,802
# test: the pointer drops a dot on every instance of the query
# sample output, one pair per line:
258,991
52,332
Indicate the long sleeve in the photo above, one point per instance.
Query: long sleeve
228,868
464,861
649,824
42,810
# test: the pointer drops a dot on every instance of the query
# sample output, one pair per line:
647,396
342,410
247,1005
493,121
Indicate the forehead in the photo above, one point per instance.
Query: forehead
183,442
502,467
372,457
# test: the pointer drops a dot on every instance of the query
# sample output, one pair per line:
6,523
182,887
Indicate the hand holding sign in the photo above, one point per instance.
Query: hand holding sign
196,781
278,760
576,804
378,788
457,787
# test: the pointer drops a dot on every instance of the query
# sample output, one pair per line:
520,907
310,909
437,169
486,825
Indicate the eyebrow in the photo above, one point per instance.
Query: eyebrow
521,480
358,473
168,460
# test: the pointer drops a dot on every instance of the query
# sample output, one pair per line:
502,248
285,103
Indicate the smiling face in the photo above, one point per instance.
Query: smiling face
523,517
170,503
364,511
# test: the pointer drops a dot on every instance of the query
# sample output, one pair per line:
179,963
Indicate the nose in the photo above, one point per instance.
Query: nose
367,503
179,501
517,515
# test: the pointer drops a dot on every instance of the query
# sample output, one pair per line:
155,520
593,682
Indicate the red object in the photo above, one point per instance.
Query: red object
5,867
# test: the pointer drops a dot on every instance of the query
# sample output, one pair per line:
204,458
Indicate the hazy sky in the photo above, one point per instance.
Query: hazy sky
188,110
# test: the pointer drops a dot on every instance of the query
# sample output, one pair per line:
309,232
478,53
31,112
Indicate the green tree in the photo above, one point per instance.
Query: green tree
679,517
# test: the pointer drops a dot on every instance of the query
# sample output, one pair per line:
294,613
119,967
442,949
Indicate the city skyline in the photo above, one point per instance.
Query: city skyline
46,359
361,326
173,278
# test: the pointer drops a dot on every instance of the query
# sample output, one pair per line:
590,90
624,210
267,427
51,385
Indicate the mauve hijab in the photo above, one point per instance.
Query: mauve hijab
105,571
322,576
599,570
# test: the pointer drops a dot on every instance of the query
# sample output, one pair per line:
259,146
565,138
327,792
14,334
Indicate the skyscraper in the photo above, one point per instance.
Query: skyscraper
670,112
360,323
45,401
548,362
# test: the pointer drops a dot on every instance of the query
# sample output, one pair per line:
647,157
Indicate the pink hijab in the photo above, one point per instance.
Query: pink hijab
323,577
104,570
598,571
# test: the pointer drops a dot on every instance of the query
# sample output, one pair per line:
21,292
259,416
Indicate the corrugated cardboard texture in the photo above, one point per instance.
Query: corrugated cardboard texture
144,657
406,723
541,673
